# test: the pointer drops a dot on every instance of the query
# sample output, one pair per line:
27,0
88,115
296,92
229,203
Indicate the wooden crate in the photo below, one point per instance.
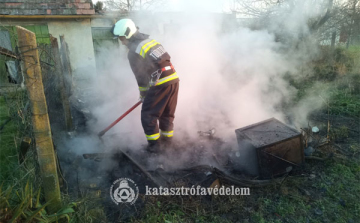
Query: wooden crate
269,148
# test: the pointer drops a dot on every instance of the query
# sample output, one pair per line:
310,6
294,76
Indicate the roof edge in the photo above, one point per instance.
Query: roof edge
20,17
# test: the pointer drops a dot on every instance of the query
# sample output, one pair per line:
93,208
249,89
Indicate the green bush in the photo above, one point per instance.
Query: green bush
333,63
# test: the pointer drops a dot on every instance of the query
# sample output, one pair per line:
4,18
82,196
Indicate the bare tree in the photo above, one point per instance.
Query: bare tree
354,20
119,5
345,22
324,18
131,5
267,9
99,7
256,8
335,17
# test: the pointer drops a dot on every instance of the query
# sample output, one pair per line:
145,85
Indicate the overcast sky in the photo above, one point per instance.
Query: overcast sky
198,5
203,5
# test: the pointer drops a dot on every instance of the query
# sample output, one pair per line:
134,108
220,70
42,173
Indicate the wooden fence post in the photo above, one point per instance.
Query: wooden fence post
40,119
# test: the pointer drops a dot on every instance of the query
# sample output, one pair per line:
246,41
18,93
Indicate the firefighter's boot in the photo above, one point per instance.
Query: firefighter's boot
153,146
166,143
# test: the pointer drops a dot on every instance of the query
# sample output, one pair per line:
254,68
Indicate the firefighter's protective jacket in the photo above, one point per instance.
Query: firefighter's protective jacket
146,56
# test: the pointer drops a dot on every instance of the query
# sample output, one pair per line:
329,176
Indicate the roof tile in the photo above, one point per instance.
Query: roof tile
46,7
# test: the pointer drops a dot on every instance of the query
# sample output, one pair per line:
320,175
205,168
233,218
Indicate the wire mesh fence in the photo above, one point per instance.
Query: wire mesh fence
18,114
16,99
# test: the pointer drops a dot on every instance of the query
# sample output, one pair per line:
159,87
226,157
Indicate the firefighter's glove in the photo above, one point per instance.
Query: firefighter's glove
143,92
141,98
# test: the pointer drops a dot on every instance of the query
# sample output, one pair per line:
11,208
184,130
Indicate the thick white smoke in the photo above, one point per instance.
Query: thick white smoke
230,76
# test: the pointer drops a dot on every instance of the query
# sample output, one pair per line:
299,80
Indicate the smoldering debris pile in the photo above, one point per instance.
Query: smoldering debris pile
97,169
187,159
206,161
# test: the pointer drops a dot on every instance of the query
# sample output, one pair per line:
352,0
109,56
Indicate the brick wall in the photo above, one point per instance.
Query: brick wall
46,7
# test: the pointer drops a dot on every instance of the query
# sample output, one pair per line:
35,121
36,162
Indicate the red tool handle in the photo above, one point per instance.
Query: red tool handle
119,119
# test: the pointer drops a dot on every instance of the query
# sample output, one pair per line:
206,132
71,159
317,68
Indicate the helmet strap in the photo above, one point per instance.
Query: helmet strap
127,31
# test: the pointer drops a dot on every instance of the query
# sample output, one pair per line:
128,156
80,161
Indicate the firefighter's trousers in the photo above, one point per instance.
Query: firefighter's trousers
159,106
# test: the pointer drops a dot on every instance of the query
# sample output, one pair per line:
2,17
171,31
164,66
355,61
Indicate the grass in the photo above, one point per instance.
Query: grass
10,170
354,52
21,199
332,195
327,191
344,103
26,206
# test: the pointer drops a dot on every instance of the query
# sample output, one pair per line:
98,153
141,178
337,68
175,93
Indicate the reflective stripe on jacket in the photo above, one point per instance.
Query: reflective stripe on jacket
146,56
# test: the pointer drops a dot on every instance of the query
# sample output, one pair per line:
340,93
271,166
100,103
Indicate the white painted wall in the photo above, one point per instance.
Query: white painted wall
78,36
79,39
106,22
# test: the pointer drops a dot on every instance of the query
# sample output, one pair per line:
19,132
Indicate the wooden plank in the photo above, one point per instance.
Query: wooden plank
66,66
61,84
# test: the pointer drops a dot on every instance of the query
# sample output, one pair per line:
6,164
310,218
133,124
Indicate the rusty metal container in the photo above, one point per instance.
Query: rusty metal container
268,149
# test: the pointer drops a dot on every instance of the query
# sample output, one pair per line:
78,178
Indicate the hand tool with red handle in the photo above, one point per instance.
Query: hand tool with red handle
119,119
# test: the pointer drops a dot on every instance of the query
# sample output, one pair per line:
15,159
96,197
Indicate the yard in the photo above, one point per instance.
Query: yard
325,189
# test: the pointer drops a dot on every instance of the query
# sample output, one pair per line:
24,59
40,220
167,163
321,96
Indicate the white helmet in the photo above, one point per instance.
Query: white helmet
124,27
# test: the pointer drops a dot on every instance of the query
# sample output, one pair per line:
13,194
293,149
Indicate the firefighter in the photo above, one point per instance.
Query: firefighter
157,80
